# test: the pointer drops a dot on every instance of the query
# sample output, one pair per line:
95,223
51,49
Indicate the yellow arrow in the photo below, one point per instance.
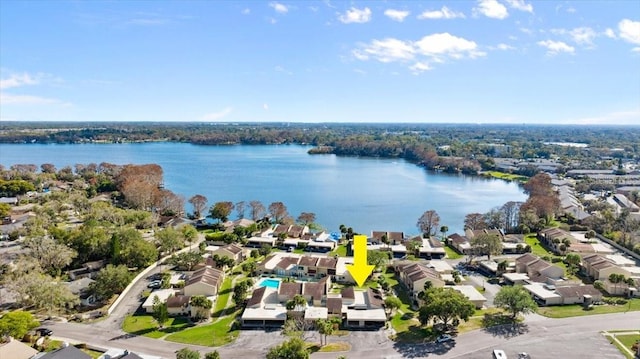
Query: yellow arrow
360,270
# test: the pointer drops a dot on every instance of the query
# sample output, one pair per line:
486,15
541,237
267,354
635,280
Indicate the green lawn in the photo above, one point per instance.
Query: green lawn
146,326
575,310
340,250
211,335
451,253
506,176
625,342
536,247
223,297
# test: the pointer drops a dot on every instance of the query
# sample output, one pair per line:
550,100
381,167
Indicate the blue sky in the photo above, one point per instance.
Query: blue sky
488,61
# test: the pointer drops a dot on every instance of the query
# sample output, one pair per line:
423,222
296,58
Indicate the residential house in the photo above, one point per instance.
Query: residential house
579,294
288,267
288,290
161,294
316,293
80,287
538,270
280,230
178,305
366,310
113,353
232,251
297,231
88,270
66,352
460,243
308,265
600,268
15,349
205,281
263,309
471,293
334,306
415,275
326,266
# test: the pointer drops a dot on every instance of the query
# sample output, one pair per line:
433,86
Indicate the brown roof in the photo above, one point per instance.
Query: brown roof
603,264
257,295
577,291
177,301
592,258
280,228
348,293
286,262
206,275
458,239
295,231
314,290
377,235
334,305
416,272
290,289
581,247
396,236
232,248
375,300
538,265
526,258
308,261
327,262
435,243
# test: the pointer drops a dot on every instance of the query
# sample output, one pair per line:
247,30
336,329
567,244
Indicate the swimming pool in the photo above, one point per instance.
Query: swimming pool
269,282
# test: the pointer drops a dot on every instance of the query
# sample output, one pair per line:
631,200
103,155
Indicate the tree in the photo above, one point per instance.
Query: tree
616,279
515,299
110,280
185,260
377,258
489,244
160,311
186,353
278,211
599,285
392,303
510,211
212,355
573,262
5,210
474,221
428,221
445,305
138,254
502,267
189,233
17,324
240,292
294,348
325,327
221,211
51,256
494,219
199,203
202,307
168,240
41,291
444,230
240,206
306,218
257,210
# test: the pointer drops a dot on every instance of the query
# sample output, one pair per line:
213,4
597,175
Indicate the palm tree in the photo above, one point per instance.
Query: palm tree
444,230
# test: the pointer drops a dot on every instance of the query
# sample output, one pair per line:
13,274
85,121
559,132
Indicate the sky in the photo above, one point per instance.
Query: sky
485,61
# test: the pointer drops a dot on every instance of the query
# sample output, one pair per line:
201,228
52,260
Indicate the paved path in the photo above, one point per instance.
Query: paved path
567,338
614,338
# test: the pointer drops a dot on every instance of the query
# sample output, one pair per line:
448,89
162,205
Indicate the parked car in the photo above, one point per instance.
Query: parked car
156,284
44,332
524,355
444,338
499,354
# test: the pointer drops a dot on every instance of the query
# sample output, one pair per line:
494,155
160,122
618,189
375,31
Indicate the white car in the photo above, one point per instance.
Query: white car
524,355
444,338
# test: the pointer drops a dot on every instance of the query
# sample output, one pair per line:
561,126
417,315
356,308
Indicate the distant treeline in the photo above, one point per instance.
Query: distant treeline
450,147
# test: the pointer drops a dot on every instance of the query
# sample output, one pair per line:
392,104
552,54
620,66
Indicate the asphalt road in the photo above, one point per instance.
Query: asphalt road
541,337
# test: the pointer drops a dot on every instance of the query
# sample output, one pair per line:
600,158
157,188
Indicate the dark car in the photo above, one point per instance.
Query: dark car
44,332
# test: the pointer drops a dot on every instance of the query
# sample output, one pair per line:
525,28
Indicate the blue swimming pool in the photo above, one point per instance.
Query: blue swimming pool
269,282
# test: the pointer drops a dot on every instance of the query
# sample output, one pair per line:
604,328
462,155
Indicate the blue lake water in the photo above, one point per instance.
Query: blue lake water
364,193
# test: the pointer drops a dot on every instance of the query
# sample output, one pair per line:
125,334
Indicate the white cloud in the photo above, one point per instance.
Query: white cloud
420,67
9,99
386,50
492,9
520,5
214,116
441,44
246,11
355,15
18,80
265,106
571,10
629,31
444,13
579,35
279,8
504,47
555,47
610,33
396,15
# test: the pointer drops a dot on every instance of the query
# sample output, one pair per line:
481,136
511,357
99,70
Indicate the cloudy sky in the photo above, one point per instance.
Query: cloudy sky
486,61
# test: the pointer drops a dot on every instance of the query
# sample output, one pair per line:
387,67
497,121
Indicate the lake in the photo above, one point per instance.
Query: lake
364,193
